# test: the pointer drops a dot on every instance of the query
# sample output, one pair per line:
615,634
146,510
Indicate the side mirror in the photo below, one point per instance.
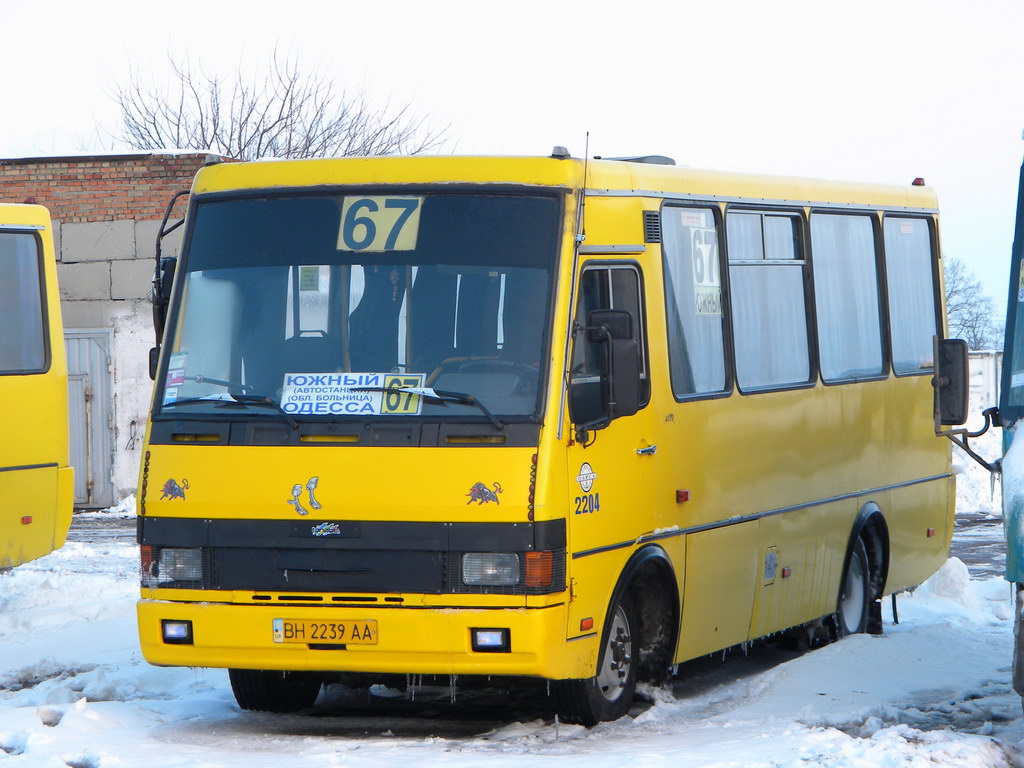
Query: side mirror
609,324
163,282
613,389
168,264
623,378
154,359
951,381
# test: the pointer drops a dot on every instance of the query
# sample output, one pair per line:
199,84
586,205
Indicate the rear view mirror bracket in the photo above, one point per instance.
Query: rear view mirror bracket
950,382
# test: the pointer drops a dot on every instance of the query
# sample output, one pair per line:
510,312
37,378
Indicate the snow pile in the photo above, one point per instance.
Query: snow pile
125,509
977,489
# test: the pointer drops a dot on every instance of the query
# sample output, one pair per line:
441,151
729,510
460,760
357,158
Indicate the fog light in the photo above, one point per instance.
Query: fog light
490,569
176,632
492,640
180,565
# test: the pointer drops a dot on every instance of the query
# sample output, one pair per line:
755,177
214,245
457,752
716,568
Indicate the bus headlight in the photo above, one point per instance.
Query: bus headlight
179,565
490,569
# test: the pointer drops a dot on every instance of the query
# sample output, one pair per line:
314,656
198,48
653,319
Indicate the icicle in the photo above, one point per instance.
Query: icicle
991,485
452,683
556,727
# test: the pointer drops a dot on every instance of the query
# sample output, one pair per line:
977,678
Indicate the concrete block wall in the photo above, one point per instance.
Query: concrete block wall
106,213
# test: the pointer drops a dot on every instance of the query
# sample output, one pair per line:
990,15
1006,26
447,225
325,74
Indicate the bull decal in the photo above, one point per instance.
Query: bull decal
172,490
481,494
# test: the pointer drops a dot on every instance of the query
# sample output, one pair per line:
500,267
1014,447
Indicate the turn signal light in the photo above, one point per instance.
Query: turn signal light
539,569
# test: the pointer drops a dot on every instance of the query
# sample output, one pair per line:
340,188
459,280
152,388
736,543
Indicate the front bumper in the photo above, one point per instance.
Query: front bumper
409,640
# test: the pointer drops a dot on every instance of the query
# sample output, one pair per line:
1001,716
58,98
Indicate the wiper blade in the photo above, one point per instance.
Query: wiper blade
225,400
441,396
269,402
218,398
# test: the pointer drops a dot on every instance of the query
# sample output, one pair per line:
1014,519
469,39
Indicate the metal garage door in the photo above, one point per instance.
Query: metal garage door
91,403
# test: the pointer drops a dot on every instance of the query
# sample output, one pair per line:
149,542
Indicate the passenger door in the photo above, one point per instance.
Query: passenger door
610,469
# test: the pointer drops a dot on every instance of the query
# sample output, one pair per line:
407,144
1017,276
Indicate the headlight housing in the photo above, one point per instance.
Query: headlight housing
172,565
490,569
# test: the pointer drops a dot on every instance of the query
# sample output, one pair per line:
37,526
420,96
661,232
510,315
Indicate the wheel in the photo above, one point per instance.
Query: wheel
607,695
266,690
855,593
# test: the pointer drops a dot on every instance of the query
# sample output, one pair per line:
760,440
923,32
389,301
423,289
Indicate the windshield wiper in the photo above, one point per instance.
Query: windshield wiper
441,396
229,399
269,402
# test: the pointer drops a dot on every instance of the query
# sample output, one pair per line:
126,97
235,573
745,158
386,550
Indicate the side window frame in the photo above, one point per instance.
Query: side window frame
728,364
881,287
640,332
807,281
938,301
44,319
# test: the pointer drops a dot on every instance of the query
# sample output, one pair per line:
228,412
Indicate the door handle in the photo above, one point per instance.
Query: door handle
650,450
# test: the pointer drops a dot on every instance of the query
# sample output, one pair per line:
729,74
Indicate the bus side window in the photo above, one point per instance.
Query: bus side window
910,277
23,341
693,301
769,309
612,287
846,296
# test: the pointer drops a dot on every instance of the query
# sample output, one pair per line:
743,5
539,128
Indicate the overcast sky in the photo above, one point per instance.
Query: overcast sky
876,90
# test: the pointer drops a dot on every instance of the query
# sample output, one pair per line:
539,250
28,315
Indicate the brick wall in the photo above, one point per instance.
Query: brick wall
100,188
106,211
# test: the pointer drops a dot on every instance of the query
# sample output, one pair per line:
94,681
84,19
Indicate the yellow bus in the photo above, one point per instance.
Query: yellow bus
36,487
543,417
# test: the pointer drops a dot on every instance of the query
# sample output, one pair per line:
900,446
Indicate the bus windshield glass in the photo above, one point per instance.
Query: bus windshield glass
364,305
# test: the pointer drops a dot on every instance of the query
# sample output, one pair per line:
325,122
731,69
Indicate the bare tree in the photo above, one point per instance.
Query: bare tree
969,311
285,112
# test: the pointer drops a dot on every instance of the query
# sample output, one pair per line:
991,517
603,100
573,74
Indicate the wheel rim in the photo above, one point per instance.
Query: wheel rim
853,596
618,657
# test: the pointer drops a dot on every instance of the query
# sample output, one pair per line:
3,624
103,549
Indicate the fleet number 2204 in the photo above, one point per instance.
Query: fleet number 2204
588,503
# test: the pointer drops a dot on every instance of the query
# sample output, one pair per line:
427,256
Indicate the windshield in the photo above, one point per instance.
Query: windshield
338,306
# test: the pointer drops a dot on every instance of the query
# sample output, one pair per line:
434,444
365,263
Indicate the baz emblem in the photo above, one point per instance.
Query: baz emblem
296,499
586,477
172,490
481,494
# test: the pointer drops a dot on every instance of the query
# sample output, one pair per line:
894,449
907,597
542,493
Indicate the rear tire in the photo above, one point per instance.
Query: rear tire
609,694
855,594
268,690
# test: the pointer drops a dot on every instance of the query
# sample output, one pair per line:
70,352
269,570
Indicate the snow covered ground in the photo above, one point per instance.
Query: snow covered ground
933,690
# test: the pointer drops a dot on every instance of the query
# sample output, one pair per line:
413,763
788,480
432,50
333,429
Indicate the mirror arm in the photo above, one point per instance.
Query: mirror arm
961,436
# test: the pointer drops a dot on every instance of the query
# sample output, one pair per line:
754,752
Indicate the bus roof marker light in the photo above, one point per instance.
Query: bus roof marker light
560,153
918,182
682,496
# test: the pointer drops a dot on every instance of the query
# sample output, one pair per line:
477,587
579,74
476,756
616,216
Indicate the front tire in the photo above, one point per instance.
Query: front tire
608,694
855,594
268,690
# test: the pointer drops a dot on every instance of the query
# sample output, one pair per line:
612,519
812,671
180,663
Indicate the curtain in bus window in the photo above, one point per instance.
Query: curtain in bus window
846,295
22,341
769,325
909,274
693,299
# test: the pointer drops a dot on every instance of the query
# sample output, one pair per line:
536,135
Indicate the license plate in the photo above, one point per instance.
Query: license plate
361,632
